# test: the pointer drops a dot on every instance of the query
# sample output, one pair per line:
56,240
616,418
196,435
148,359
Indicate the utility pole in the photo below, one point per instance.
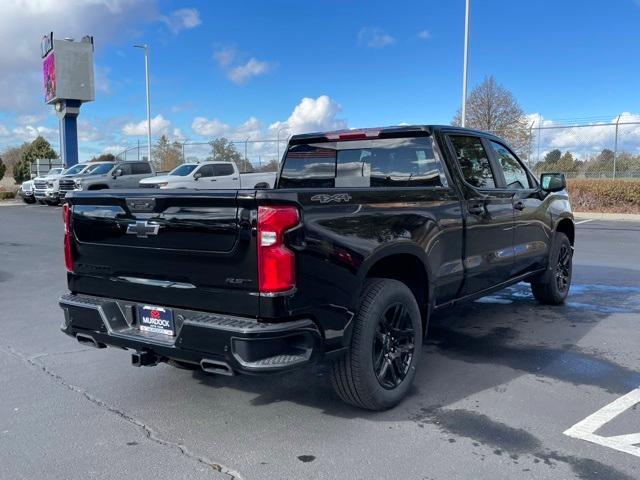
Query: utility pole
465,63
145,47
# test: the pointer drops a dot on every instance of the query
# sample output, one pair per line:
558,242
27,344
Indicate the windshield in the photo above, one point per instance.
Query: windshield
75,169
54,171
183,170
101,169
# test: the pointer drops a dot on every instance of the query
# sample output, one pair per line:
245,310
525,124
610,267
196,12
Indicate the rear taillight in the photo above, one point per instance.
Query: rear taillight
276,263
66,218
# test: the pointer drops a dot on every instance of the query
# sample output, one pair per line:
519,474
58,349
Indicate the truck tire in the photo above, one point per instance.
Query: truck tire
386,343
553,286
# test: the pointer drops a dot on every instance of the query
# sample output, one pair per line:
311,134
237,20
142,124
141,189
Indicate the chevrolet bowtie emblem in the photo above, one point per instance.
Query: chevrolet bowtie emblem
143,229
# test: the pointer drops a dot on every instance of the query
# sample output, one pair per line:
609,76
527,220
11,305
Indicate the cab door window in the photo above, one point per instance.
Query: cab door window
473,161
126,168
206,171
515,175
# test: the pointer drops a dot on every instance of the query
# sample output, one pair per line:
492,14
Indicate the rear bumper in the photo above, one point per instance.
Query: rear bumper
242,344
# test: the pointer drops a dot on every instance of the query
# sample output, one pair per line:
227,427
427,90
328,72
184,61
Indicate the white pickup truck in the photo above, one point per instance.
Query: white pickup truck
210,176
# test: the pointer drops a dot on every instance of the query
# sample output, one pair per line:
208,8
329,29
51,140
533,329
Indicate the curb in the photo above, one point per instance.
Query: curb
11,203
628,217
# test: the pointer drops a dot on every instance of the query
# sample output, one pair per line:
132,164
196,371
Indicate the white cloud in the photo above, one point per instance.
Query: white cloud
115,149
27,133
159,126
102,83
88,132
178,136
238,71
424,34
374,37
182,19
584,139
251,129
4,131
29,119
225,55
23,22
252,68
312,115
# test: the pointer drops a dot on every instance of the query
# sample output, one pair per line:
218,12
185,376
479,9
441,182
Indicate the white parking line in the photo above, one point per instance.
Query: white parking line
584,430
585,221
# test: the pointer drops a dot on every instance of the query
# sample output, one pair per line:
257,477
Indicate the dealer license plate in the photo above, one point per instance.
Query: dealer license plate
155,319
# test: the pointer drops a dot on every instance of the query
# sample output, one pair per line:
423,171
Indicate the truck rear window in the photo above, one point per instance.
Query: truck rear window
393,162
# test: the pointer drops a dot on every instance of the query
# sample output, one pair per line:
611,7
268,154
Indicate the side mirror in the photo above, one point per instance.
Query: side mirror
553,182
197,175
118,173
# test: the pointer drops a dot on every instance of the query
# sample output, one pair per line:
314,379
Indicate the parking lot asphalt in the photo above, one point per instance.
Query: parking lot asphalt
499,383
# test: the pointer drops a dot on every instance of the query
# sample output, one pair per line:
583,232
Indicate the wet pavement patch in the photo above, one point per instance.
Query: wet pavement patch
515,442
480,428
585,468
569,366
603,299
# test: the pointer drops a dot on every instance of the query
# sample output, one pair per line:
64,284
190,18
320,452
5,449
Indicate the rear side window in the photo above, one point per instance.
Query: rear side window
126,168
223,169
309,166
396,162
473,161
140,168
515,175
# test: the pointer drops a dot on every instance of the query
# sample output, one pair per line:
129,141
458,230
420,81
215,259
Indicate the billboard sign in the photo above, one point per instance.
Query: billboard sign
49,71
67,68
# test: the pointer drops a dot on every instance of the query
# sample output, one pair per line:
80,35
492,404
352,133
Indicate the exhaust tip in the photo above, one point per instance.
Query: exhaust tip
216,366
85,339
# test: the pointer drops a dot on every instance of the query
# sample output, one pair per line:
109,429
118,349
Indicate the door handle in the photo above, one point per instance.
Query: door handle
519,205
476,208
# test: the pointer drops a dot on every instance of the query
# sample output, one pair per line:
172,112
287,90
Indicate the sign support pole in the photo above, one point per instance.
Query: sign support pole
68,111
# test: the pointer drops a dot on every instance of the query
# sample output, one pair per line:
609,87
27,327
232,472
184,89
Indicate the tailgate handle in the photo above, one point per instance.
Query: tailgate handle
141,204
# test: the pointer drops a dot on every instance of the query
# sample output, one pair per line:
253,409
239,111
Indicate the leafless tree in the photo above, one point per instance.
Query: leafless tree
493,108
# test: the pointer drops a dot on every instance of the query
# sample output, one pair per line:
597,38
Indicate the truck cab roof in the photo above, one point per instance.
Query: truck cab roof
382,132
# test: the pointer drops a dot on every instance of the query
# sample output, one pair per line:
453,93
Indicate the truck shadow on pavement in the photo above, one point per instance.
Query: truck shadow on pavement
508,329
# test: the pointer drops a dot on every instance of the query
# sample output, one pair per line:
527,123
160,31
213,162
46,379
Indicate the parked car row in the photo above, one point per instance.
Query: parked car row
53,188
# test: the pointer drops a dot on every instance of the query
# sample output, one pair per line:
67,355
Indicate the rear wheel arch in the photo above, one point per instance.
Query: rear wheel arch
408,267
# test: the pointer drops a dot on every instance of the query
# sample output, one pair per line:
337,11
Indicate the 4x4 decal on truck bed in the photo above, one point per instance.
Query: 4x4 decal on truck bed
336,197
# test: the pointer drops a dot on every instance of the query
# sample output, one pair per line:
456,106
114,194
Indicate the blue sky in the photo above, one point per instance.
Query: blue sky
243,68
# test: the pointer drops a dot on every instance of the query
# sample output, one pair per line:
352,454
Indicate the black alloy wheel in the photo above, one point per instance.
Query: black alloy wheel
393,346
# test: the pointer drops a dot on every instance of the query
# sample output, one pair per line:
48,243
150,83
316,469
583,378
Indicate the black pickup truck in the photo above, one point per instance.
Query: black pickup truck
365,234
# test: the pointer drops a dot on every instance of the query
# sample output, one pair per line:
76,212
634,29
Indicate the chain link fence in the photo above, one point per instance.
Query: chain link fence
607,150
250,155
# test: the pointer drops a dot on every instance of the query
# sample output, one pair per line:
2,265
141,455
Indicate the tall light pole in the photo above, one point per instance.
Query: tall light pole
466,63
146,74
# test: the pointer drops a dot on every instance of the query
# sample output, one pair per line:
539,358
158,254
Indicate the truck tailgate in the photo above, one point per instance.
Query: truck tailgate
184,249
